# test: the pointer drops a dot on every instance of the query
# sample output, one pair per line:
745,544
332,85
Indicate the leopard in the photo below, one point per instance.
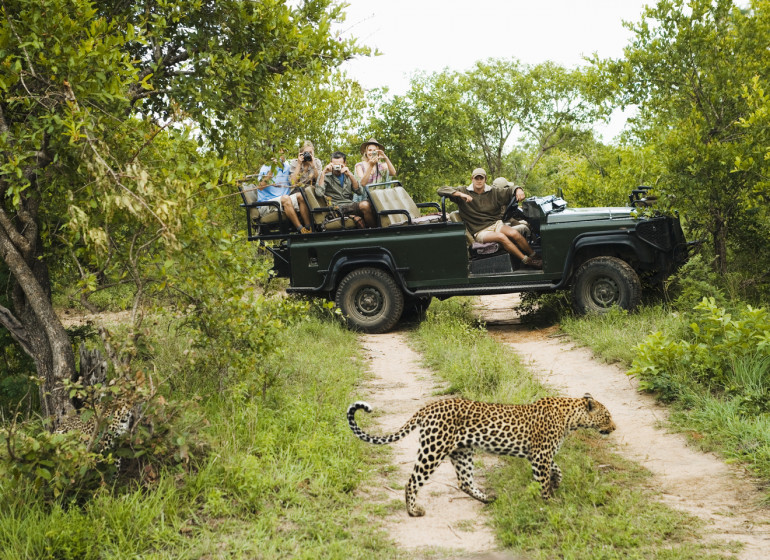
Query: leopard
457,427
112,422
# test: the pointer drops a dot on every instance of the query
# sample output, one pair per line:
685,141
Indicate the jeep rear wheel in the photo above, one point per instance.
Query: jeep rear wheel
370,300
603,282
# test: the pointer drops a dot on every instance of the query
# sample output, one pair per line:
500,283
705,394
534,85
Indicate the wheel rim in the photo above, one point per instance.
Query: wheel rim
605,292
368,302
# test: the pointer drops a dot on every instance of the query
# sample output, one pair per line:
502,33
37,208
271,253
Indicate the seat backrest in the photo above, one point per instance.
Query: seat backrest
313,204
249,195
320,218
394,198
455,217
407,202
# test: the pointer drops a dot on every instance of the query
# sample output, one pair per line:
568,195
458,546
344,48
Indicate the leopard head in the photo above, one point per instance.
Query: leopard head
595,415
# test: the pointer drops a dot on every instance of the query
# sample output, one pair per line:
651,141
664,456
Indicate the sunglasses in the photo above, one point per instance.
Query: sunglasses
479,177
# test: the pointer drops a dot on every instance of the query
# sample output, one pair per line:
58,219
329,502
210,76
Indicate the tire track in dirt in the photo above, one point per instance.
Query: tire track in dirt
453,522
698,483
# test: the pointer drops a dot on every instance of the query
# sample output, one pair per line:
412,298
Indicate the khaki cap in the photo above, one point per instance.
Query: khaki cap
502,182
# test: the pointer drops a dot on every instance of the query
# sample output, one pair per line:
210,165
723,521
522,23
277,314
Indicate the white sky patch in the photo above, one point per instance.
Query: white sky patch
430,35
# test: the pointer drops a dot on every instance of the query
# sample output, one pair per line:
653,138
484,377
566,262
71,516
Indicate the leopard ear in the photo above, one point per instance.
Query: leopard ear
589,401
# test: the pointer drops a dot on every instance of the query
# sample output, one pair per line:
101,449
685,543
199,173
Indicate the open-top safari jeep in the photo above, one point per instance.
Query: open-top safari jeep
376,275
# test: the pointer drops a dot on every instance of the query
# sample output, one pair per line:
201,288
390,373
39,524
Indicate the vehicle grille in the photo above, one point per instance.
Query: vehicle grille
656,232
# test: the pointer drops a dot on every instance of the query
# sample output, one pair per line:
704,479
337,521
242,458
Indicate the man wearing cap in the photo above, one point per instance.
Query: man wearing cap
479,205
375,166
340,186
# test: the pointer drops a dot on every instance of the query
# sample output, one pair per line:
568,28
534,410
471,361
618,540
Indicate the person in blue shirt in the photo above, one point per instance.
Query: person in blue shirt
273,184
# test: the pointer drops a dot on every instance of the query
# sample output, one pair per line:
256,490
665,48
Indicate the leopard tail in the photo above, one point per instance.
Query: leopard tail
413,423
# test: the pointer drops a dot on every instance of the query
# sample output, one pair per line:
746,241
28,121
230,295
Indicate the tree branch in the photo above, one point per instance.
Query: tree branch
17,330
19,241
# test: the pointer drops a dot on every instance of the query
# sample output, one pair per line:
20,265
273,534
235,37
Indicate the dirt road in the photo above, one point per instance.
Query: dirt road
694,482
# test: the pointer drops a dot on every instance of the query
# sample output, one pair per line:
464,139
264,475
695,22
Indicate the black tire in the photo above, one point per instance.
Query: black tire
603,282
370,300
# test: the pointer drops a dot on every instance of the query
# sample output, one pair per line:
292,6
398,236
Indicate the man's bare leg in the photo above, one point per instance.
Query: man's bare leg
518,239
505,241
288,208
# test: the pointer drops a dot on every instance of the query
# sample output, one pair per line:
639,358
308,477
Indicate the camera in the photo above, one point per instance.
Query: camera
337,167
307,156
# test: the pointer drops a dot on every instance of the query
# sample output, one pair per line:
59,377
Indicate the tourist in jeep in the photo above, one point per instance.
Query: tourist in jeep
273,184
520,225
375,166
338,185
479,206
306,170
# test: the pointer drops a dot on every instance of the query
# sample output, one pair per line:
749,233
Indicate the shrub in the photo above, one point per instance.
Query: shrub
691,283
725,352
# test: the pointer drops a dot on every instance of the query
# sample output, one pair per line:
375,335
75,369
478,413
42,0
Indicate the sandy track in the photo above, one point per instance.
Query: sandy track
698,483
453,521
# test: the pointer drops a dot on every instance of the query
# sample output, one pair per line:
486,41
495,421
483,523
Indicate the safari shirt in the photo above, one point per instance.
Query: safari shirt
340,193
484,209
304,178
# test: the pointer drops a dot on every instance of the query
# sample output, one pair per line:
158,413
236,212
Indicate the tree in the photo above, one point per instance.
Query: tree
545,104
426,133
688,69
450,122
116,118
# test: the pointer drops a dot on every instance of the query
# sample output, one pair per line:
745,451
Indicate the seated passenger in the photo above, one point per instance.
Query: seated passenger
306,170
479,206
339,185
275,186
375,166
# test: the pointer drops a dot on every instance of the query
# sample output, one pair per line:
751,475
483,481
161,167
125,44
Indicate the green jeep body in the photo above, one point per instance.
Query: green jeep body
375,275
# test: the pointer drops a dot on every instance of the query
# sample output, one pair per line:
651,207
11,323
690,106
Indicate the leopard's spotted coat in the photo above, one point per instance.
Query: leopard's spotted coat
456,427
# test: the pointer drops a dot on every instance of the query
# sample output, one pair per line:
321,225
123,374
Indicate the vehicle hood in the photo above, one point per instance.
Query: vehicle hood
569,215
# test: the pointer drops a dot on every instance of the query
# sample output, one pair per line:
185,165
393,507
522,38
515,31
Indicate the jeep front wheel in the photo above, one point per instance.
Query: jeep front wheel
603,282
370,300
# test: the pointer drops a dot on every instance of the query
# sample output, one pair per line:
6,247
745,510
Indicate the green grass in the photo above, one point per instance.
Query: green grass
613,336
604,508
279,482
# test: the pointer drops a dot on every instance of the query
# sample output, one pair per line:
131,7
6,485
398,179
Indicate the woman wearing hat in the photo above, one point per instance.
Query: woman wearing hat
375,166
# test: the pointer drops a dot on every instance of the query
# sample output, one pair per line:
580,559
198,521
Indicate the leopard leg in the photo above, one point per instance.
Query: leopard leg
541,471
426,464
555,476
462,459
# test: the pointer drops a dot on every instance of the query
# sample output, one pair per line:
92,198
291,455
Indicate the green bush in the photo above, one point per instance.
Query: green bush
722,351
694,281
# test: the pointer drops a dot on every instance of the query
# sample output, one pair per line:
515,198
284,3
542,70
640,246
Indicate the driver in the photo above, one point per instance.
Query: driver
479,205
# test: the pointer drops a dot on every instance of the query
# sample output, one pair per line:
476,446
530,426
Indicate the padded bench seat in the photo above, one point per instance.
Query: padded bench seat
395,207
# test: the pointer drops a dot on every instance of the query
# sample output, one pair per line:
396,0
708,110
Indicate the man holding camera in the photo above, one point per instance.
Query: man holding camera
339,185
306,170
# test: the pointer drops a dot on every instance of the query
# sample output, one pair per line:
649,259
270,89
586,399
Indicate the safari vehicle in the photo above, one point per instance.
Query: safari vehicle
377,275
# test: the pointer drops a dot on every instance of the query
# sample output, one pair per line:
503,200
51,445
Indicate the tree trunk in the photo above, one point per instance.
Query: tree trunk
719,235
36,327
